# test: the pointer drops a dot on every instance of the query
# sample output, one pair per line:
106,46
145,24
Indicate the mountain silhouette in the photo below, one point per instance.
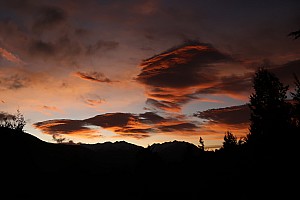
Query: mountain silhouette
32,168
175,151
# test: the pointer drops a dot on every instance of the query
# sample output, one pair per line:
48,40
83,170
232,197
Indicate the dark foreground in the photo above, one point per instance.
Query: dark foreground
31,168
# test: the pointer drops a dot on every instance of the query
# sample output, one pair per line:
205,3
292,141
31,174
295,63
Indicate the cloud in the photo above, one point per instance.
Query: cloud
176,76
48,17
190,62
143,124
236,86
42,48
123,124
179,127
10,56
163,105
48,109
93,76
47,31
66,127
193,70
234,115
219,120
94,102
101,45
13,82
285,71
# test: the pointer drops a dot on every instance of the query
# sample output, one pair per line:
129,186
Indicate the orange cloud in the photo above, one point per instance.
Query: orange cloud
94,102
93,76
185,73
9,56
217,121
48,109
67,127
123,124
233,115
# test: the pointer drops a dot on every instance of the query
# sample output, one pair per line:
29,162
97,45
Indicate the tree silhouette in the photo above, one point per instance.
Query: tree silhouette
201,146
57,138
269,110
15,121
296,98
230,142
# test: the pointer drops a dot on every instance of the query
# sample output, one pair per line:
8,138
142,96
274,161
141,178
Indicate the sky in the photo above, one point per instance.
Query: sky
141,71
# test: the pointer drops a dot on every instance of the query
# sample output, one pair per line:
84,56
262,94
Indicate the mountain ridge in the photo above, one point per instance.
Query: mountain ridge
31,167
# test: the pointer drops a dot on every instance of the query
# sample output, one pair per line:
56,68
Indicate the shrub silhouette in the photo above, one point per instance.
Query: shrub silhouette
230,142
16,122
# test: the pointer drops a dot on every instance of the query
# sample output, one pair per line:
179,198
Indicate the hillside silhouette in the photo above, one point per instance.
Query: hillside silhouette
264,164
33,168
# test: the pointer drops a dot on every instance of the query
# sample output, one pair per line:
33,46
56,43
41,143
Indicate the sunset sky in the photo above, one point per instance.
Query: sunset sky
142,71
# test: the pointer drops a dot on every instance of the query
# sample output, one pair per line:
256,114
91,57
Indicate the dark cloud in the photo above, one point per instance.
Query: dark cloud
21,5
62,48
235,119
101,45
285,72
125,120
68,47
138,133
234,115
112,120
183,66
237,84
124,124
121,123
14,82
151,118
162,105
47,17
12,36
160,74
62,126
179,127
175,76
230,85
43,30
41,48
93,76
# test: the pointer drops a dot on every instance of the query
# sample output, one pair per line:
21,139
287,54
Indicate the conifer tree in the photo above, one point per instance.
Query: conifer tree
269,110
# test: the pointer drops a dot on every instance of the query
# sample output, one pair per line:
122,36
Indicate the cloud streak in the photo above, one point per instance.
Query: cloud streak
123,124
13,82
10,56
93,76
190,62
219,120
234,115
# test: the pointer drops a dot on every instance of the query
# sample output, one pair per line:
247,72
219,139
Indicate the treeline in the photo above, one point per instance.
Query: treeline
274,120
